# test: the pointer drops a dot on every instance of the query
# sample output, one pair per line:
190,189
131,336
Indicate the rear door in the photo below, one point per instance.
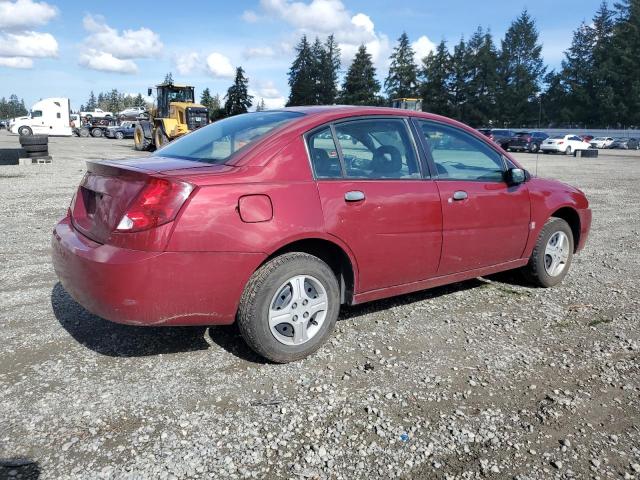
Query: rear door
376,199
485,221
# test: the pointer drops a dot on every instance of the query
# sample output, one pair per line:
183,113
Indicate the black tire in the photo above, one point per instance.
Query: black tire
140,142
25,131
534,148
35,148
33,139
119,135
84,132
96,132
258,293
568,151
535,270
160,138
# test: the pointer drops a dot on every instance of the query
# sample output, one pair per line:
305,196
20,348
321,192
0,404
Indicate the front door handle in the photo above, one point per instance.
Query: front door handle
354,196
460,195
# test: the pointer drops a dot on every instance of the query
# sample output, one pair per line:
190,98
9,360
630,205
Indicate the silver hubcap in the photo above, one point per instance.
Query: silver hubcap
556,254
298,310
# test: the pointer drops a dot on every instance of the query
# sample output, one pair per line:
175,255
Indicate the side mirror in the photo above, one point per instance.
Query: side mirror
516,176
149,92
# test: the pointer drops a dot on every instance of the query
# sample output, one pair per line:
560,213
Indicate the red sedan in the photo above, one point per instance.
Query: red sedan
276,219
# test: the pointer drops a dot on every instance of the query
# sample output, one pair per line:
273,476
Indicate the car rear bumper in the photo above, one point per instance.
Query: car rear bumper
551,148
585,227
151,288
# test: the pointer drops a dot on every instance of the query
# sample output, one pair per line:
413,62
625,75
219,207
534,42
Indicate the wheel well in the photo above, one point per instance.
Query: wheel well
332,255
570,216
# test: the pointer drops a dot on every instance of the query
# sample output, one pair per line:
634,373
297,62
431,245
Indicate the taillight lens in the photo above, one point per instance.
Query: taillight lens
560,142
157,203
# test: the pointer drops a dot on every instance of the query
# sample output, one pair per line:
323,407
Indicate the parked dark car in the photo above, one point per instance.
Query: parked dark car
125,130
499,135
626,143
527,141
275,219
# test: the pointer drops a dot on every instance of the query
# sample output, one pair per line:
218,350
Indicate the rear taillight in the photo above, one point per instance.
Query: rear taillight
560,142
157,203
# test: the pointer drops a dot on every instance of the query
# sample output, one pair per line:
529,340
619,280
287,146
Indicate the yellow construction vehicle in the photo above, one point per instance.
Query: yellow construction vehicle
174,114
407,103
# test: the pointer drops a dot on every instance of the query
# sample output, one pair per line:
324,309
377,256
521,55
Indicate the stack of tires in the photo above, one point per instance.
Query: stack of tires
35,146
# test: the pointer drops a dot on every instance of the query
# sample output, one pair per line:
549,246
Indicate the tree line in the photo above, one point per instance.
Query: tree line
482,83
12,108
112,101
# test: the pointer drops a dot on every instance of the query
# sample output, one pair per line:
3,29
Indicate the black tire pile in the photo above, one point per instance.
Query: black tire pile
35,146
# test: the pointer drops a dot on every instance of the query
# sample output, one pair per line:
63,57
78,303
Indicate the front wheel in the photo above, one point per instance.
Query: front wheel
119,135
551,257
289,307
25,131
533,148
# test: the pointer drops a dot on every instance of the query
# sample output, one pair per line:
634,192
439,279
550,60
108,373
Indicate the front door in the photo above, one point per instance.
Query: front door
376,200
485,220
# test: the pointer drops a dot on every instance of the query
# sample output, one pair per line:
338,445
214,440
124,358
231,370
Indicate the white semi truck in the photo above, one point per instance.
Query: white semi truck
49,116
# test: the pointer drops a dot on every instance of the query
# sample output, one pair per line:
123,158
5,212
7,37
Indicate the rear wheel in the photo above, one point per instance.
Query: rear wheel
568,151
551,257
160,137
96,132
140,142
119,135
289,307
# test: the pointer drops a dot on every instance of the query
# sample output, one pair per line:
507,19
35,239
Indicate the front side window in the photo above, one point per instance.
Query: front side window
217,142
377,149
460,156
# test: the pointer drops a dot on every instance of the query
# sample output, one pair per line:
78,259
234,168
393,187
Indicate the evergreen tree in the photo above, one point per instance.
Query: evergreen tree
482,87
91,103
238,99
12,108
261,107
327,75
206,99
139,101
302,76
436,74
458,83
521,70
168,78
360,85
402,80
625,68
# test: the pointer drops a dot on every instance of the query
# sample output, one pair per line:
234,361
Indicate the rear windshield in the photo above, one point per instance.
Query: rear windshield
558,137
217,142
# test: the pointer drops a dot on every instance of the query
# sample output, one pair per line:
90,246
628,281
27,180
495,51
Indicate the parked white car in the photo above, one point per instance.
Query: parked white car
567,144
601,142
97,113
133,112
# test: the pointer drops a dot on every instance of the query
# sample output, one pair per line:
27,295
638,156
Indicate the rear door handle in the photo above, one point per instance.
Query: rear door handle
460,195
354,196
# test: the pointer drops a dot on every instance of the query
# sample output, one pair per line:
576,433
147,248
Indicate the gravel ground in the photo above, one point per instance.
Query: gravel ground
483,379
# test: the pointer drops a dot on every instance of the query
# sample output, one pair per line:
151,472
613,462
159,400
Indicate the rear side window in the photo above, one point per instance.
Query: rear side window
217,142
324,154
377,149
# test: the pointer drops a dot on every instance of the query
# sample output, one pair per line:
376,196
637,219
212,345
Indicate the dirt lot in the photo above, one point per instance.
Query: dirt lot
483,379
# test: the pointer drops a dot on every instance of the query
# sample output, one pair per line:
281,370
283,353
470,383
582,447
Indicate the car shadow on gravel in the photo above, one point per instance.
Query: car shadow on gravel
116,340
19,468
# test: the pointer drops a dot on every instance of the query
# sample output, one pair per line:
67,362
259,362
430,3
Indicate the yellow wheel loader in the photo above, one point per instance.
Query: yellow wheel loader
174,115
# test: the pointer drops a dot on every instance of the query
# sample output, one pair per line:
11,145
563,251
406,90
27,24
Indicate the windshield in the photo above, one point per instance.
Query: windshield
217,142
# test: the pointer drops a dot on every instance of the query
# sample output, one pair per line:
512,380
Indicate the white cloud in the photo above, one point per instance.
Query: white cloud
259,52
273,103
16,62
28,44
106,62
141,43
422,47
187,63
325,17
268,90
24,14
220,66
250,16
